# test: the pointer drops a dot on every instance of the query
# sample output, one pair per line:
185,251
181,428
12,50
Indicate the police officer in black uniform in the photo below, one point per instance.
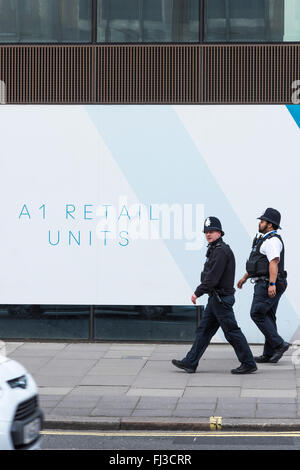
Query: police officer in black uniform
265,267
217,280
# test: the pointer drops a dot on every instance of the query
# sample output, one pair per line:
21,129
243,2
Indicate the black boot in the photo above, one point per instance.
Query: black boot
243,369
279,352
263,358
181,365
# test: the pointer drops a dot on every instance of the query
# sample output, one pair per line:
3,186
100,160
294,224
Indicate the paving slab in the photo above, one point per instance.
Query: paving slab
265,410
11,346
79,354
79,402
48,405
196,413
122,401
161,365
73,411
238,408
161,381
158,392
168,357
46,397
20,353
272,384
74,364
117,367
239,401
98,390
59,380
174,347
132,347
236,412
200,404
226,354
254,392
54,390
34,364
219,362
197,380
282,365
88,347
128,354
137,385
212,391
107,380
151,402
159,412
43,346
277,400
194,400
161,372
114,412
272,373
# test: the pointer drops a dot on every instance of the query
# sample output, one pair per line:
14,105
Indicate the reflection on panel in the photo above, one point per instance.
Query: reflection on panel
146,323
148,20
111,323
244,21
45,21
44,322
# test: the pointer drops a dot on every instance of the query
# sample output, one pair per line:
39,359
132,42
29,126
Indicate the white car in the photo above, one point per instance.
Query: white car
21,418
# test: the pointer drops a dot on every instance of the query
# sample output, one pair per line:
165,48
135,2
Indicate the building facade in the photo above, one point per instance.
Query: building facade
222,72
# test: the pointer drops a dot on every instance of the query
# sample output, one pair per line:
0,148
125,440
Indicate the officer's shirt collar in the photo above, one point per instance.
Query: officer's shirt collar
269,233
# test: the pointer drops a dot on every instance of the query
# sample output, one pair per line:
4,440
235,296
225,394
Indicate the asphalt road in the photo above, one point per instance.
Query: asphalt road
176,441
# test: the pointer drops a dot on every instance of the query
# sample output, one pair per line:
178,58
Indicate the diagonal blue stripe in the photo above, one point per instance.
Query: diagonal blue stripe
294,109
162,164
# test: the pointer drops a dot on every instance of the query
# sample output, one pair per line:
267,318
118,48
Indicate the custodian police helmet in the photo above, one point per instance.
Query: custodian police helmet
212,223
272,216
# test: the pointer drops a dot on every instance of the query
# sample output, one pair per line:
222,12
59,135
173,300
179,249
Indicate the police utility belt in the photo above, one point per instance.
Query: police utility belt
257,272
255,280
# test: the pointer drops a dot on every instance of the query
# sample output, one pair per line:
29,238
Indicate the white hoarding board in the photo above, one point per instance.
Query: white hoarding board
106,204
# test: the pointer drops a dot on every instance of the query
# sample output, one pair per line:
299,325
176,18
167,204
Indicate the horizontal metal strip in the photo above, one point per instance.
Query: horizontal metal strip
174,74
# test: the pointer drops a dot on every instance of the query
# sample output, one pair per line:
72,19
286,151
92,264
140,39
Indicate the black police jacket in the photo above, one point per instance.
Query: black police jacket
219,270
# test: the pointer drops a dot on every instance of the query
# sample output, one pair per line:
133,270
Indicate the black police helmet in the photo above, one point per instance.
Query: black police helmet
272,216
211,224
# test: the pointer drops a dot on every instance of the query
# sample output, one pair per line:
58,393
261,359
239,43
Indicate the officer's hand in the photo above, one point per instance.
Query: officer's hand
272,291
241,283
193,299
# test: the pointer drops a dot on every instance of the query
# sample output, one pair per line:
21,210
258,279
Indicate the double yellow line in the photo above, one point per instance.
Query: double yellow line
172,434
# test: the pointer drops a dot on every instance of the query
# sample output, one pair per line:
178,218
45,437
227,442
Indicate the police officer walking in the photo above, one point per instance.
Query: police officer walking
217,280
265,267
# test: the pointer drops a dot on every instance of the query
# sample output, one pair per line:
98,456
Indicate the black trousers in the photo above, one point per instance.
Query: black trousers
219,315
263,313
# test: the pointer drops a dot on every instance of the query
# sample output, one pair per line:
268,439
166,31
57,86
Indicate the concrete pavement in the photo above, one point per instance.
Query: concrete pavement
131,386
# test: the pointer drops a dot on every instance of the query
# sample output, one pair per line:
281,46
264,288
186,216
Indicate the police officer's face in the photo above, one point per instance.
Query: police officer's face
264,226
212,236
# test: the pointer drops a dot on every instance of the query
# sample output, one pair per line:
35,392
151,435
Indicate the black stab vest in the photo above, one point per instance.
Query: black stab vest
258,264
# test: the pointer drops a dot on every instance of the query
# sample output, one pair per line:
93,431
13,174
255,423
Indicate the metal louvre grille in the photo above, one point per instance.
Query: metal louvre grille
147,74
47,74
175,74
250,74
